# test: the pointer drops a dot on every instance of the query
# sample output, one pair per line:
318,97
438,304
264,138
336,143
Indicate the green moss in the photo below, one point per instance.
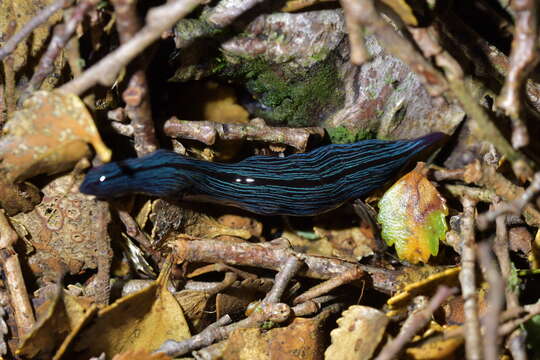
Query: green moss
296,98
187,29
342,135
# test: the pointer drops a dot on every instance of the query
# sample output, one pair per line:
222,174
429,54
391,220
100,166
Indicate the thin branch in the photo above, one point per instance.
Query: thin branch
136,96
467,278
158,20
523,59
515,206
61,35
359,53
283,277
207,132
267,256
202,339
36,21
103,254
364,13
495,302
277,312
413,324
329,285
24,315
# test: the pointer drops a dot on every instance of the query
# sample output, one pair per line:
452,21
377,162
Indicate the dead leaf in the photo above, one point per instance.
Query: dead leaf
49,135
60,230
413,217
302,340
141,355
359,332
436,347
140,321
64,315
422,281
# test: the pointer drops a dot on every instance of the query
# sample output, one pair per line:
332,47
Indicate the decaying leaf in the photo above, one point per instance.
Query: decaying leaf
422,281
359,331
140,355
140,321
436,347
301,340
57,327
413,217
49,135
60,230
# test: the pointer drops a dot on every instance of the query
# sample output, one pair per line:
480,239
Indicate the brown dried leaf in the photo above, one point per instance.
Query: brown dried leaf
437,347
140,321
422,281
360,330
302,340
57,327
141,355
49,135
61,230
15,198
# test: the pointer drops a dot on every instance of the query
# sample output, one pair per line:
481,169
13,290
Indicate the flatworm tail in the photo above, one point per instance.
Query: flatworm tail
300,184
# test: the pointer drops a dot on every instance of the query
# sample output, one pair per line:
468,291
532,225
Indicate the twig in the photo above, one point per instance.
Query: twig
311,306
467,278
208,131
227,11
359,53
487,176
158,20
283,277
202,339
523,59
510,326
61,35
413,324
514,207
212,287
515,342
103,254
495,302
213,20
478,194
36,21
24,315
267,256
132,229
329,285
136,95
366,15
266,312
481,125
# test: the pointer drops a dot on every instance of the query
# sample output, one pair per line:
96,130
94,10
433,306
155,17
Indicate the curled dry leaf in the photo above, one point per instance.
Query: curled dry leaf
139,321
48,135
360,330
413,217
57,326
